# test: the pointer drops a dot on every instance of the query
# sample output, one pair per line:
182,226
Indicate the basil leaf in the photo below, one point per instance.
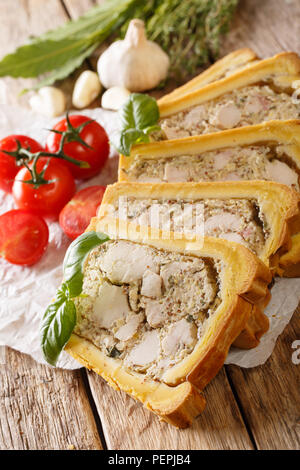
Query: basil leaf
139,112
138,117
57,325
75,256
59,318
123,141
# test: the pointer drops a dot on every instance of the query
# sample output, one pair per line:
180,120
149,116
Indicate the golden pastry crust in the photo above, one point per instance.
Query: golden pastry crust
231,62
281,70
283,133
289,263
279,203
177,399
176,405
257,326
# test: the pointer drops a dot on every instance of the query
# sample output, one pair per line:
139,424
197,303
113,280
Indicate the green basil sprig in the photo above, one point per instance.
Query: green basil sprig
138,119
59,318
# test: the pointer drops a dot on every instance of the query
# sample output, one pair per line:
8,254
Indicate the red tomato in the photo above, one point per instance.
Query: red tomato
23,237
48,199
76,215
93,134
8,167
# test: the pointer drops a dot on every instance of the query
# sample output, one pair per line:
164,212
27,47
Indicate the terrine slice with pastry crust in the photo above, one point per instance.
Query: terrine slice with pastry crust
221,68
268,151
156,317
260,92
260,215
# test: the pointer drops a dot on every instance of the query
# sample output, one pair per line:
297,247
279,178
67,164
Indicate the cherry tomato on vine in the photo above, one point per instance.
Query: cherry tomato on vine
23,237
84,140
8,163
44,199
76,215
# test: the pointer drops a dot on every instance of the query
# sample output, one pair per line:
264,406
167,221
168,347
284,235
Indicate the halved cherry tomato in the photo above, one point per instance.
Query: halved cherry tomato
76,215
23,237
48,199
8,166
95,154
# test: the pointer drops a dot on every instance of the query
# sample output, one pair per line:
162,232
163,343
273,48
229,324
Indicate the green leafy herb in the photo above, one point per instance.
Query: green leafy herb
138,119
75,256
64,49
64,71
59,318
190,32
57,325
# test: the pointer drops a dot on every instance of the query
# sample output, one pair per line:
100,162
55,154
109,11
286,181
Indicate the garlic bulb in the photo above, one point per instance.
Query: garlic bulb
134,63
87,87
49,101
114,98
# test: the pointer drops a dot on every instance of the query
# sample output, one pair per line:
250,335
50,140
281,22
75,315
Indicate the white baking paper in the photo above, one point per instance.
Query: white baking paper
25,292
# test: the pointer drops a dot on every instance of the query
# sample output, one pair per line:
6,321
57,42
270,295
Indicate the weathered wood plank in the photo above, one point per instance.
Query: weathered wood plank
43,408
269,394
268,27
77,8
127,425
18,20
40,408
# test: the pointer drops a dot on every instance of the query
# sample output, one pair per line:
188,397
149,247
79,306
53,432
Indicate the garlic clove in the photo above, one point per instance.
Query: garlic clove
114,98
49,101
87,87
135,34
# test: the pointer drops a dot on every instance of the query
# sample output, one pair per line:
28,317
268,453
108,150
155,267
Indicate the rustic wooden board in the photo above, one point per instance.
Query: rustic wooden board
269,395
267,26
18,20
43,408
75,8
40,408
127,425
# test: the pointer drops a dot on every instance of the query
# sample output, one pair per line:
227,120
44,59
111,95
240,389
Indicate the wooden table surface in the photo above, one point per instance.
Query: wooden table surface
46,408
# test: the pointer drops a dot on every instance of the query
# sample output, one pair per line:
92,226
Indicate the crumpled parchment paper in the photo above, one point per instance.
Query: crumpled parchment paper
26,291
